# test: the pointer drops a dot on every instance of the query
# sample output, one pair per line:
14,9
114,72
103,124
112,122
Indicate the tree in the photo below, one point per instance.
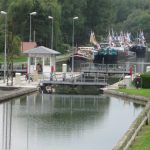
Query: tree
138,20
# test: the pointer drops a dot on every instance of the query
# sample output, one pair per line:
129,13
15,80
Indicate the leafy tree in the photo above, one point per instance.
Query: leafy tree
20,18
96,15
137,21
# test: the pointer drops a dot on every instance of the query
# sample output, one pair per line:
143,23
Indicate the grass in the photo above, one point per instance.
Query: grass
142,141
140,92
17,59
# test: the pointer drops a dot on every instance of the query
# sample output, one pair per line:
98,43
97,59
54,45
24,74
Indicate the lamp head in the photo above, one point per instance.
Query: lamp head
50,17
3,13
75,18
33,13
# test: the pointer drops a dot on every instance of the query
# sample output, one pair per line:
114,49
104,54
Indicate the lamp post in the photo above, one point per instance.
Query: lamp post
31,14
5,47
74,18
50,17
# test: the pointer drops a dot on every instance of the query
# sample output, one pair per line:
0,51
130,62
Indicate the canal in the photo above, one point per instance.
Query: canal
65,122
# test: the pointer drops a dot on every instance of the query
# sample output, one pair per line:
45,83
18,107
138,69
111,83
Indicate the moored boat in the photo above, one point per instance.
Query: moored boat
106,55
139,46
139,49
81,55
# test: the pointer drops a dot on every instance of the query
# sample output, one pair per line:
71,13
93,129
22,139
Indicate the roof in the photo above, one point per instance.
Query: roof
27,45
41,50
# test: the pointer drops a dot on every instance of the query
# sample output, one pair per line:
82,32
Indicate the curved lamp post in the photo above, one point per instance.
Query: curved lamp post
74,18
31,14
50,17
5,60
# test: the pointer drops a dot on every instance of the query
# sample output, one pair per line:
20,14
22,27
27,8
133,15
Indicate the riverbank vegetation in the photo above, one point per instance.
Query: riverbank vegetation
101,16
142,140
140,92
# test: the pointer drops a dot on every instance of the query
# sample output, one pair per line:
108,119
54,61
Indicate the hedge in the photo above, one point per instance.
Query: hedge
145,78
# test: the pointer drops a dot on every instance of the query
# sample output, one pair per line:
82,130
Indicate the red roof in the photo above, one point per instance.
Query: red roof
28,45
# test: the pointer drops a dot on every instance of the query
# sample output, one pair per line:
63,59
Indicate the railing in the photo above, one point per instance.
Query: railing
15,66
70,77
57,76
90,67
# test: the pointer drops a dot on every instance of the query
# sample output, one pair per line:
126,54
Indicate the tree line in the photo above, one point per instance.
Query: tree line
99,16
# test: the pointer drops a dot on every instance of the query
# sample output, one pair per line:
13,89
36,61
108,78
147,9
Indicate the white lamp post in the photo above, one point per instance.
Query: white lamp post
5,60
31,14
50,17
74,18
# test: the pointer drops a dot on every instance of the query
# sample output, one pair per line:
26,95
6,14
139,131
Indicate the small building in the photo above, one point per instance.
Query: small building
42,60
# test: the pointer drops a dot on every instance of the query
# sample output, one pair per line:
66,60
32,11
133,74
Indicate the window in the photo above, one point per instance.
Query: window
32,61
47,61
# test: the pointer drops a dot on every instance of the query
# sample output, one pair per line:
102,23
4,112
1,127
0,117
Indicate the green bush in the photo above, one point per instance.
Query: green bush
145,80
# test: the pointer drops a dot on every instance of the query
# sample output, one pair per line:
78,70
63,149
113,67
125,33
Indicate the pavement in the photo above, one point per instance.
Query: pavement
126,82
20,80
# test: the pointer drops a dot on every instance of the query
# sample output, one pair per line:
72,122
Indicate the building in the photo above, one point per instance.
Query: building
41,60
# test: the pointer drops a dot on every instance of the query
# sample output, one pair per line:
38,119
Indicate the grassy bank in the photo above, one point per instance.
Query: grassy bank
140,92
17,59
142,141
23,58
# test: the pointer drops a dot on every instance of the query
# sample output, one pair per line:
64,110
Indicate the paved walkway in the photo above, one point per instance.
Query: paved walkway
20,81
125,82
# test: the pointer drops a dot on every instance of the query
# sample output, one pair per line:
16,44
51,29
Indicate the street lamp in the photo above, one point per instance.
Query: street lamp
31,14
74,18
5,61
50,17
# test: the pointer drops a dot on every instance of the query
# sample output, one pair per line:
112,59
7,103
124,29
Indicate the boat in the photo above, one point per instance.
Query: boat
81,55
115,49
84,54
139,49
106,55
139,46
103,53
123,50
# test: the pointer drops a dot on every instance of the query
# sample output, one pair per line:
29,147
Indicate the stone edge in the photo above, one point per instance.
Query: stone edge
17,93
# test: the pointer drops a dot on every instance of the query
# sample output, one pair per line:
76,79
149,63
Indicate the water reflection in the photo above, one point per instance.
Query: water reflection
65,122
6,123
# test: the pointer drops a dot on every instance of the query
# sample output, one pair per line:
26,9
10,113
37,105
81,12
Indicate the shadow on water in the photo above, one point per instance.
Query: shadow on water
93,90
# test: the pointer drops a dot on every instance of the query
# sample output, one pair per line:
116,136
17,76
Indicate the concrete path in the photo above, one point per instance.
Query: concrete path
125,82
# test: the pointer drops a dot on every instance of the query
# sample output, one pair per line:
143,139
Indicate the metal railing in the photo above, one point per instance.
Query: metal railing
104,67
69,77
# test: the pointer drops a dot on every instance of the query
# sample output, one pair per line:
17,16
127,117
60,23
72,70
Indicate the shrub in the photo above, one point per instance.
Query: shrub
145,80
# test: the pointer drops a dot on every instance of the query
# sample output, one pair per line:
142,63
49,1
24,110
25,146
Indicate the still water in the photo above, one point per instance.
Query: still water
65,122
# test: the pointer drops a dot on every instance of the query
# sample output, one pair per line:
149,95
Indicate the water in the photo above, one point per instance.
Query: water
66,122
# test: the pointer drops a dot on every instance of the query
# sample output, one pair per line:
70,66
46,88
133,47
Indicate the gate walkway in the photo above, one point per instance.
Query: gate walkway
106,68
